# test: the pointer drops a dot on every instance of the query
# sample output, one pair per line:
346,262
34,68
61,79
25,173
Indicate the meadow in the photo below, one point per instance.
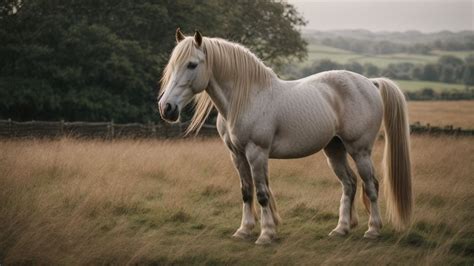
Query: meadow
417,85
75,202
319,51
442,113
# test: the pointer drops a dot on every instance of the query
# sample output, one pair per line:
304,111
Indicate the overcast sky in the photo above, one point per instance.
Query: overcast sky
388,15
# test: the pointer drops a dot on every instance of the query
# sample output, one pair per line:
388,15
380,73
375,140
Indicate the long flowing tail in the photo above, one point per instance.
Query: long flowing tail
397,169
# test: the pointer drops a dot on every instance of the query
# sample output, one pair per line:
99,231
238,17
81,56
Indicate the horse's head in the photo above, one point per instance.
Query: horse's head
185,76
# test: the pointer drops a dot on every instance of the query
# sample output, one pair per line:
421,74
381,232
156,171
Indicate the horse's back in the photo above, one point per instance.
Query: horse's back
351,100
355,100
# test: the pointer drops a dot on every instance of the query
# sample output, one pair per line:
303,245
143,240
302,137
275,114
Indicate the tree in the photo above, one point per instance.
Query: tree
468,75
269,28
320,66
430,72
447,74
450,60
354,67
371,70
101,60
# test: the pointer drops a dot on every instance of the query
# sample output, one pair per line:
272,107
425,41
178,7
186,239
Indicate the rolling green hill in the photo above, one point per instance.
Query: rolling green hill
319,51
415,85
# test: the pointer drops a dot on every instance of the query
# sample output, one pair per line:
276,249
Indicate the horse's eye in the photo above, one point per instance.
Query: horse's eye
192,65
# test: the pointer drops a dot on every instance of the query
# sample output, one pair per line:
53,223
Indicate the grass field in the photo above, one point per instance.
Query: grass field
416,85
318,52
178,202
442,113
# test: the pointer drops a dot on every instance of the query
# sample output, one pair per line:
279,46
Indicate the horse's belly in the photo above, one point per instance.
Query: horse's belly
306,124
300,143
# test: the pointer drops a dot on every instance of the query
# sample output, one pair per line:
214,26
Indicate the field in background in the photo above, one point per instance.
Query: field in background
178,202
319,51
417,85
442,113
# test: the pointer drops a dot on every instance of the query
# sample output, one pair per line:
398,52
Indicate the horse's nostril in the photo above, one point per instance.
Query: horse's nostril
169,112
168,108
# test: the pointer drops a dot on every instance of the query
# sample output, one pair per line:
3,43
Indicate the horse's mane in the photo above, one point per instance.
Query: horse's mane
226,61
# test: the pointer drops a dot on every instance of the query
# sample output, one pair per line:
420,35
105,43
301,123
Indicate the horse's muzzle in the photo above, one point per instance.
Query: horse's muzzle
170,112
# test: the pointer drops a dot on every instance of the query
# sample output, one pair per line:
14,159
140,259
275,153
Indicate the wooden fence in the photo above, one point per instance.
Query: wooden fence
418,128
104,130
110,130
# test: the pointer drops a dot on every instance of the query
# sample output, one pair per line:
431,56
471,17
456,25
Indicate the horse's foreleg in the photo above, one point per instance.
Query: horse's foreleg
258,161
246,185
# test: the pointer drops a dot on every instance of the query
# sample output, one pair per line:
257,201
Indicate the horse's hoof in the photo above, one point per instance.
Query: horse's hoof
371,234
339,232
241,234
264,240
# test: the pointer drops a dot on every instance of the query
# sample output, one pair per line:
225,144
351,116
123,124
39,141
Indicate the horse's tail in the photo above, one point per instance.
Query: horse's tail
397,169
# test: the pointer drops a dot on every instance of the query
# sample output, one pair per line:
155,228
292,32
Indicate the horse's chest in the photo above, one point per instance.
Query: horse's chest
230,138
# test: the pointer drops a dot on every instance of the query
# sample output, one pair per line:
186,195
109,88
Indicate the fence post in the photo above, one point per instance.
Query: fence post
164,128
10,127
151,124
61,128
112,130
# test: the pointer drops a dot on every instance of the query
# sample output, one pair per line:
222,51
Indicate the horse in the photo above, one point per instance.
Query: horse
261,116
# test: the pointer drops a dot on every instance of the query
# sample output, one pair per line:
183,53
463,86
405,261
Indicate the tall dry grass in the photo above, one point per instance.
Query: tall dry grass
178,202
443,113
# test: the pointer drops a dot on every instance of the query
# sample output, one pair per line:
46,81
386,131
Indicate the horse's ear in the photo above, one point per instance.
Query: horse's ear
179,35
198,38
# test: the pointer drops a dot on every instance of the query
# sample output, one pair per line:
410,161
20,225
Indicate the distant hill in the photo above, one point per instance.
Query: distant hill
407,37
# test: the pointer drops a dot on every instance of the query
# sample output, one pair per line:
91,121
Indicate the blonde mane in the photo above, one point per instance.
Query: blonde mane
225,61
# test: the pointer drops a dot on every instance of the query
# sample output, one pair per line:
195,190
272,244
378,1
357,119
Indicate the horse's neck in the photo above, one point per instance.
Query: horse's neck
220,96
220,92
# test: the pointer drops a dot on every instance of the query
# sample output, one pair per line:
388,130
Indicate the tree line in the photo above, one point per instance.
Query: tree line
448,68
413,42
101,60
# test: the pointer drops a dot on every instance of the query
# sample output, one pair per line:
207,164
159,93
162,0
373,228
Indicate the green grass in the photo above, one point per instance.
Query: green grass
318,52
460,54
416,85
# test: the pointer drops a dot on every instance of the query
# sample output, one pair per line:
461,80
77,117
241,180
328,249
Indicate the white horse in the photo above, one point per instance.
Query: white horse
262,117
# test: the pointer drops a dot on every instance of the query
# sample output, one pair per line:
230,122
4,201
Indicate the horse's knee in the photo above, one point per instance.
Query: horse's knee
247,195
262,198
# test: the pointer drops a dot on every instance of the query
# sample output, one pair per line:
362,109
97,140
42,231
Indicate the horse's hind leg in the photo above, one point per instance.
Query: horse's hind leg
361,155
246,185
337,159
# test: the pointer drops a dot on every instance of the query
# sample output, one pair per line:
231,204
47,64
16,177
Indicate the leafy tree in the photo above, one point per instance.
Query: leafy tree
468,75
371,70
268,27
101,60
447,73
430,72
417,72
320,66
450,60
399,70
354,67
